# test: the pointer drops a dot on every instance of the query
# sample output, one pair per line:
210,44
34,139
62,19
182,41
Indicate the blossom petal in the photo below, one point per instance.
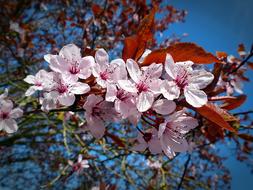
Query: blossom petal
167,149
140,147
153,71
97,128
30,91
155,146
201,78
71,52
195,97
144,55
101,57
10,126
6,106
79,88
170,90
145,101
30,79
67,99
170,66
111,92
127,86
16,113
161,130
164,106
133,70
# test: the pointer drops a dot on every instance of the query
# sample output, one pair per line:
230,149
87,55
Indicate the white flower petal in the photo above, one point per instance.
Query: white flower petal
6,106
195,97
67,99
170,90
155,146
111,93
16,113
71,52
79,88
170,66
140,147
145,101
133,70
201,78
101,57
164,106
10,126
127,86
30,79
30,91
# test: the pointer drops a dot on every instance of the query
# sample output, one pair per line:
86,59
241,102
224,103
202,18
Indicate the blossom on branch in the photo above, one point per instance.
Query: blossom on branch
182,78
8,114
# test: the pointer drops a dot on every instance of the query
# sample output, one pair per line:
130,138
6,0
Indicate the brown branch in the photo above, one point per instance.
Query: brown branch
185,169
243,62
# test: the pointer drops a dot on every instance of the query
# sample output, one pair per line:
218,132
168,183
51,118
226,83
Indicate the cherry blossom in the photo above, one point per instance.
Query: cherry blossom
148,140
79,165
183,78
171,133
42,80
124,102
145,82
64,89
8,116
97,113
108,73
69,62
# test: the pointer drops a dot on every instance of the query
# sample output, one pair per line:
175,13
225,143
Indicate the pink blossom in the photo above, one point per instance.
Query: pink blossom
164,106
8,116
97,113
79,165
65,88
171,133
145,83
42,80
69,62
108,73
184,78
124,102
148,140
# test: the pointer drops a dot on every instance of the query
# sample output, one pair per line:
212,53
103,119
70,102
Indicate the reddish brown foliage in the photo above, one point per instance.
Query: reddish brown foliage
181,52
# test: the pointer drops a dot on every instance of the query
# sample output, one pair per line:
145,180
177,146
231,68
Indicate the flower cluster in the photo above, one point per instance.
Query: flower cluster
126,91
8,114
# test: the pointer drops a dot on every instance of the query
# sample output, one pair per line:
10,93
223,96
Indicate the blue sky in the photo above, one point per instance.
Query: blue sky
221,26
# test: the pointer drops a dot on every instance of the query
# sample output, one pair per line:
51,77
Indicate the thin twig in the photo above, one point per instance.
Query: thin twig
185,169
243,62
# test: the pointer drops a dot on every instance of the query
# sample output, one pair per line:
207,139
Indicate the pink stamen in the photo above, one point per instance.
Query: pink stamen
142,87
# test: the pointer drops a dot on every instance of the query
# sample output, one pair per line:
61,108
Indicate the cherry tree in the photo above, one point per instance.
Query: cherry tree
94,96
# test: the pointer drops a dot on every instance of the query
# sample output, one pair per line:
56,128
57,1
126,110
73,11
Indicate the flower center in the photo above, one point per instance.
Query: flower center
147,136
62,88
182,79
104,75
74,69
121,95
142,87
4,115
37,83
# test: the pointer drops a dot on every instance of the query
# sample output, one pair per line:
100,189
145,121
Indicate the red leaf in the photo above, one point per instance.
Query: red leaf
231,104
96,9
221,55
134,46
130,47
210,112
182,52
